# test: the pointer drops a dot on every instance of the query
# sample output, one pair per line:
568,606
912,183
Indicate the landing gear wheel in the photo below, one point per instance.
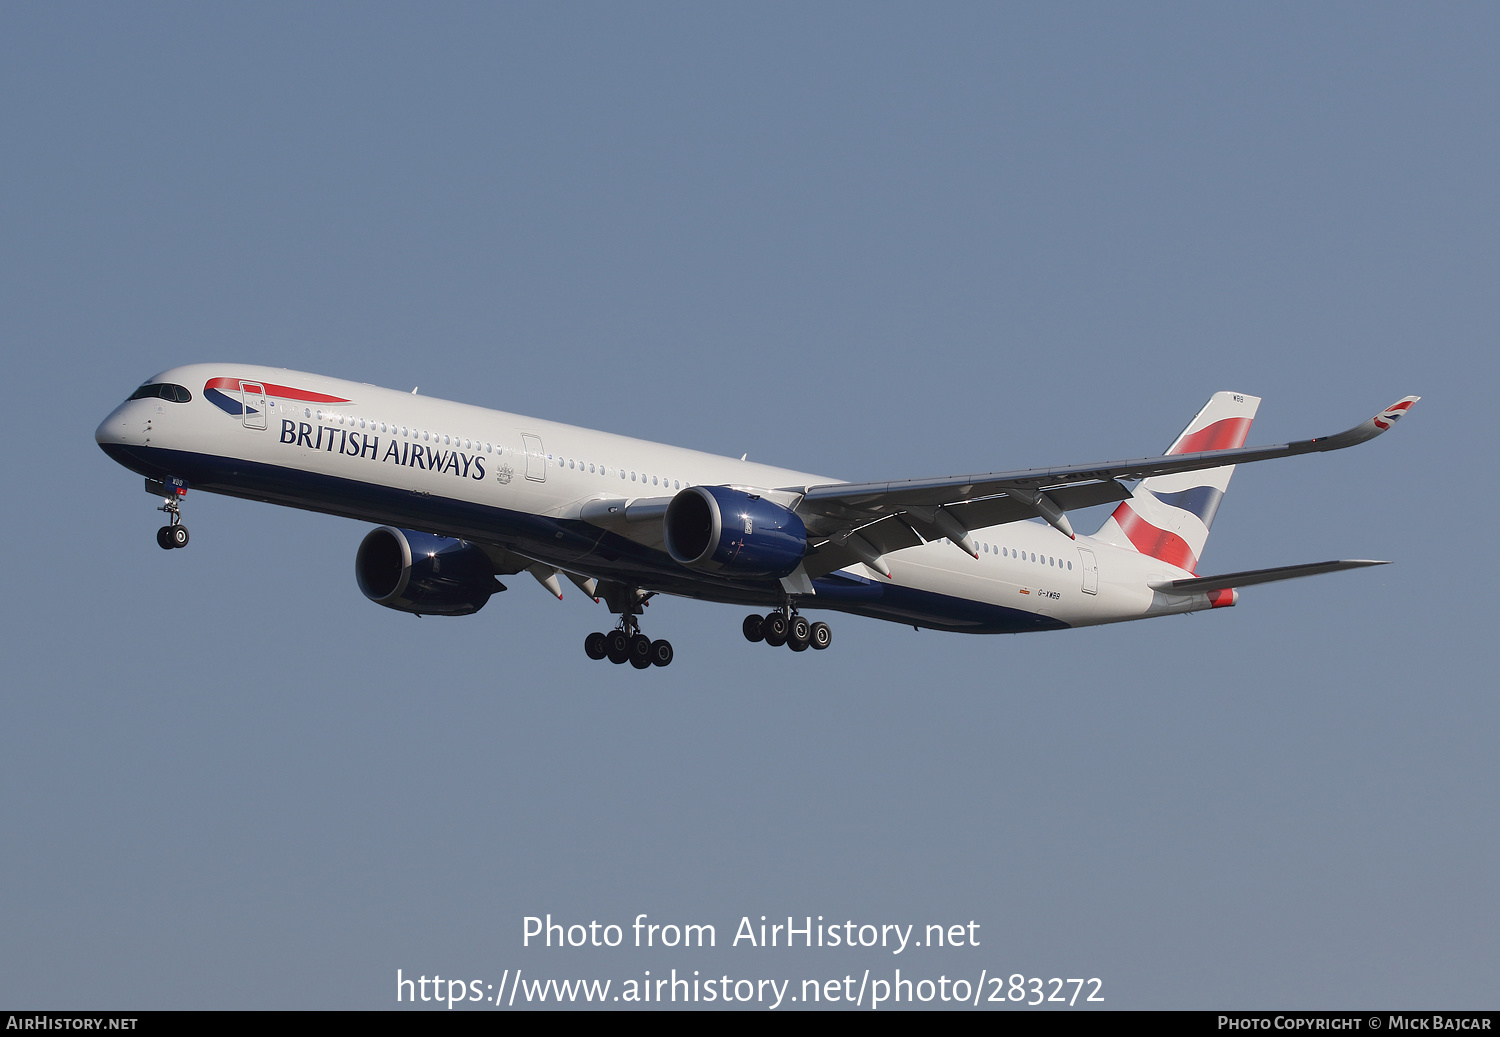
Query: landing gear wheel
799,633
821,636
164,538
617,646
596,646
775,629
752,628
795,645
640,651
661,653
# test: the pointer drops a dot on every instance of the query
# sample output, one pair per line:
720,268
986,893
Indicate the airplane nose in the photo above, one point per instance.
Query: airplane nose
110,431
118,429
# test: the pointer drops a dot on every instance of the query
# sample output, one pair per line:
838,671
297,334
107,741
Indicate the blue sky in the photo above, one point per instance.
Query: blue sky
867,240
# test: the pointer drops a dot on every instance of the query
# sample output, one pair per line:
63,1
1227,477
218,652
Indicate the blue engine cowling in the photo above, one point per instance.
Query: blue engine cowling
421,573
733,533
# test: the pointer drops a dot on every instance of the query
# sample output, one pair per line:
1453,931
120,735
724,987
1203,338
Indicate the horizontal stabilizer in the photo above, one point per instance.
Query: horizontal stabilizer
1204,584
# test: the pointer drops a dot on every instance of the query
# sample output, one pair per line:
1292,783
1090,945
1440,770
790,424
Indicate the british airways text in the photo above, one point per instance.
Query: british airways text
357,444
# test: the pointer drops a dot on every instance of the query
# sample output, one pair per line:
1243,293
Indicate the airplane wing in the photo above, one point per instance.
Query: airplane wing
852,522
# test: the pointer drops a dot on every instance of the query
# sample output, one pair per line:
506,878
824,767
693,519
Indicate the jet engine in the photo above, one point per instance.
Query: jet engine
422,573
733,533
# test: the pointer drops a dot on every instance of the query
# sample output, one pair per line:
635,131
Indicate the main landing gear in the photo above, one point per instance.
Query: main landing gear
625,643
174,534
785,627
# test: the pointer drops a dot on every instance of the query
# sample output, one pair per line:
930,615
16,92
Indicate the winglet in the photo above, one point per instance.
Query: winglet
1392,414
1370,429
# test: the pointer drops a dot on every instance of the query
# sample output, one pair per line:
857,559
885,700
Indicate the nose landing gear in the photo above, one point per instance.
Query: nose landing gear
174,533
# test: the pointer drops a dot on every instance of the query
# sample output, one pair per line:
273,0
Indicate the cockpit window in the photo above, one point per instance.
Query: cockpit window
162,391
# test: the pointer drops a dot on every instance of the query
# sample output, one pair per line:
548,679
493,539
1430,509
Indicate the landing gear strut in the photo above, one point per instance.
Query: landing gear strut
626,644
174,533
786,627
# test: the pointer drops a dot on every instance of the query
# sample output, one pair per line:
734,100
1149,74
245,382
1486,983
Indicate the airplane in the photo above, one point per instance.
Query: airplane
464,495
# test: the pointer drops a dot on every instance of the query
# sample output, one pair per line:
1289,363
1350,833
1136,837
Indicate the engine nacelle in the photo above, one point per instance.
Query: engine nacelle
422,573
732,532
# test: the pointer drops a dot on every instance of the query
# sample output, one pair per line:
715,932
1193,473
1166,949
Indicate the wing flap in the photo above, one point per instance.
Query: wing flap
995,511
884,535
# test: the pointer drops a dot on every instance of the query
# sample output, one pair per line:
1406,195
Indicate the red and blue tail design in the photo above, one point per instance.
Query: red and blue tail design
1170,515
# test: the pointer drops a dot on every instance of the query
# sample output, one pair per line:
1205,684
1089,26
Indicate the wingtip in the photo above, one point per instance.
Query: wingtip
1392,414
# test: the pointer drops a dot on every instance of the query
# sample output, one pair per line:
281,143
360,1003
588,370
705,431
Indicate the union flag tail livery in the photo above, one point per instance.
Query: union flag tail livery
1169,516
462,496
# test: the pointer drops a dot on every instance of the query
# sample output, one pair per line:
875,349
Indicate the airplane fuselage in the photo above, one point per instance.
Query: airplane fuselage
524,484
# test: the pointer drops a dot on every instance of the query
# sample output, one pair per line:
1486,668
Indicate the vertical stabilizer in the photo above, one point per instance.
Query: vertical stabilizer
1170,515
